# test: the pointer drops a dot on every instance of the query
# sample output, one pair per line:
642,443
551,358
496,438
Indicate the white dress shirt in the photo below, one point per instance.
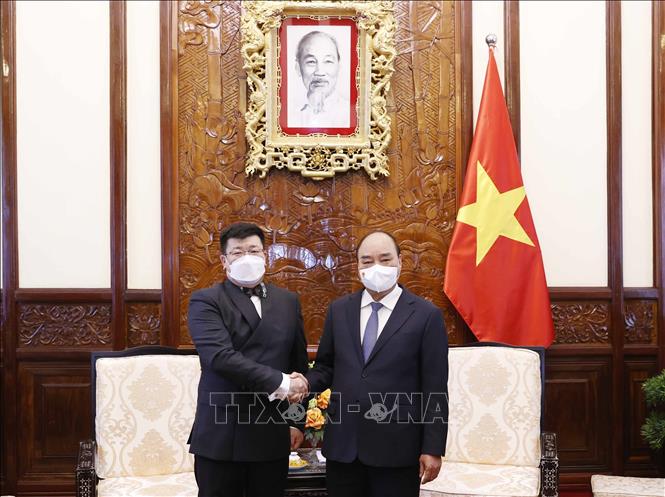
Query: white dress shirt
283,388
389,302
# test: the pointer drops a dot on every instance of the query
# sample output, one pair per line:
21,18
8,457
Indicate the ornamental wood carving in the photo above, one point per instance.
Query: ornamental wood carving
581,322
64,324
640,321
313,228
143,323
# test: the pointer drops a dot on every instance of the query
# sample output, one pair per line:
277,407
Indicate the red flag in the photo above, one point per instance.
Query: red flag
494,273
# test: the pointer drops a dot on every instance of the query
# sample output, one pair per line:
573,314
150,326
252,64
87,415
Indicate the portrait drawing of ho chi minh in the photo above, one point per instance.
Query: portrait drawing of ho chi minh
318,101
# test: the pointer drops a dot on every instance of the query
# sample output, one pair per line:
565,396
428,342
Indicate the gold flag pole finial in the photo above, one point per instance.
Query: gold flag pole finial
490,39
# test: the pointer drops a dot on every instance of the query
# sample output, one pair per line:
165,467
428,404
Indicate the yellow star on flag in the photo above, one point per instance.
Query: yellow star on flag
493,214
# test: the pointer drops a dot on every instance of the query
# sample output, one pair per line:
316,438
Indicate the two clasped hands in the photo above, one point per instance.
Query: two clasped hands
298,389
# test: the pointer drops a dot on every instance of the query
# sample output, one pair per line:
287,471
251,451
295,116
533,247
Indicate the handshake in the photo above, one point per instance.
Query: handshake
298,389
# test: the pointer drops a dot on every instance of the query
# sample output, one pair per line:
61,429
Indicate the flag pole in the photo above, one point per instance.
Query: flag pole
491,39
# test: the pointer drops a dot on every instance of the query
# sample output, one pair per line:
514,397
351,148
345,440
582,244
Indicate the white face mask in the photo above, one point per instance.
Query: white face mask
247,270
379,278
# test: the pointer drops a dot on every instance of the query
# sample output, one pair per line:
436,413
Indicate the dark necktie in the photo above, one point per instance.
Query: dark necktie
371,330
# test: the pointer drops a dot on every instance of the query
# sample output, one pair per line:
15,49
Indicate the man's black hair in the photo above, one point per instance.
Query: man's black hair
240,231
372,233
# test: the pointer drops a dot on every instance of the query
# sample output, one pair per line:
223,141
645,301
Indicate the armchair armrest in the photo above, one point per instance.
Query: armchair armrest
86,476
549,465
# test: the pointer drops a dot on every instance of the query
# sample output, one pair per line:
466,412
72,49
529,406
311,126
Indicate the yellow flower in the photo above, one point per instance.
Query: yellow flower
323,399
315,419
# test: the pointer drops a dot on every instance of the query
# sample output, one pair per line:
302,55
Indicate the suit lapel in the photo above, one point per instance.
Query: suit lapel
402,311
243,303
264,332
353,319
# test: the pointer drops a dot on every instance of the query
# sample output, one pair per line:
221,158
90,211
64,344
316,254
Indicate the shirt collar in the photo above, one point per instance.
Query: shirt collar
389,301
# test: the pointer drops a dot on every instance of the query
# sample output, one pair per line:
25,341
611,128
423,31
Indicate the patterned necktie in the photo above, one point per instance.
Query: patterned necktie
371,330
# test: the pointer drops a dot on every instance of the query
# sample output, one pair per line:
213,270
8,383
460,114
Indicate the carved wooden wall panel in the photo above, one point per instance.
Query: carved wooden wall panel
640,317
64,324
638,456
581,322
583,432
144,321
54,413
313,227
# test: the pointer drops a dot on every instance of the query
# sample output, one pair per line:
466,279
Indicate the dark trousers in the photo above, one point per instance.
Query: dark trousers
359,480
240,479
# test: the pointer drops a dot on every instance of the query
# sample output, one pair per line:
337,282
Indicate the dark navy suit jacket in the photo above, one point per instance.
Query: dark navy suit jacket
407,372
242,354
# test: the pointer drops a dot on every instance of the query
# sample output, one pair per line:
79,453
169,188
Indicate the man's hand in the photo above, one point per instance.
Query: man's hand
299,387
429,467
296,438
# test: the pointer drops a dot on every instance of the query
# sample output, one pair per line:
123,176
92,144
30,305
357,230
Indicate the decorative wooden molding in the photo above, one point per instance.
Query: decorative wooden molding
118,148
658,135
464,33
650,293
580,293
581,322
64,325
144,322
63,295
640,321
511,28
136,295
614,220
168,68
9,245
464,125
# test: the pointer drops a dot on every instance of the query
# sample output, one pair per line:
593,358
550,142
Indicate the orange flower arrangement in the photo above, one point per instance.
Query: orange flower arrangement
316,418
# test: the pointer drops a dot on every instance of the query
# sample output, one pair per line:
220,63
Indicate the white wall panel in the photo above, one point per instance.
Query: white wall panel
637,202
63,173
143,147
564,146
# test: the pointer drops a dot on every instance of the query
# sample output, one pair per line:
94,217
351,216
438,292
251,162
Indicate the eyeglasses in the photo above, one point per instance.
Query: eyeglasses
239,253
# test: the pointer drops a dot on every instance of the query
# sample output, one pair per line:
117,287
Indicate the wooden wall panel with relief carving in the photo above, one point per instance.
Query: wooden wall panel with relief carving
581,322
144,321
313,227
638,456
64,324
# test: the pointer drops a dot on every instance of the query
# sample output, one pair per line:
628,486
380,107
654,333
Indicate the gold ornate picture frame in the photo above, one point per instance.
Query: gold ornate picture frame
318,75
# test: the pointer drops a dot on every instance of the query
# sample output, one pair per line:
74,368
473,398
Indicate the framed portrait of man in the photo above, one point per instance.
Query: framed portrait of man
318,75
319,89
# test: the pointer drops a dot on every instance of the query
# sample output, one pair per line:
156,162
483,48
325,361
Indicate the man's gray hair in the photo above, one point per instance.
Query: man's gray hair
305,39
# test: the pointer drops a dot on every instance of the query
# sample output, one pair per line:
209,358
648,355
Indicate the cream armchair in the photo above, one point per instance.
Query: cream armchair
143,406
495,447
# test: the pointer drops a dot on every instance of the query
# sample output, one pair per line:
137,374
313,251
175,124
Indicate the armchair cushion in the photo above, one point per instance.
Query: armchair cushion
483,480
624,486
144,412
176,485
495,407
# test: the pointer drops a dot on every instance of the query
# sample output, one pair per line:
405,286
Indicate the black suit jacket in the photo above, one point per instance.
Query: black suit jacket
241,355
407,372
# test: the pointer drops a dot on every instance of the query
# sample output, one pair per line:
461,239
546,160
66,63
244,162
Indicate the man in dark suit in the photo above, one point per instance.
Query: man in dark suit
248,335
384,353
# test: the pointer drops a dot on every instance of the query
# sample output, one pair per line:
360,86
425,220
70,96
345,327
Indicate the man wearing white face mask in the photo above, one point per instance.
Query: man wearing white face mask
248,335
384,354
